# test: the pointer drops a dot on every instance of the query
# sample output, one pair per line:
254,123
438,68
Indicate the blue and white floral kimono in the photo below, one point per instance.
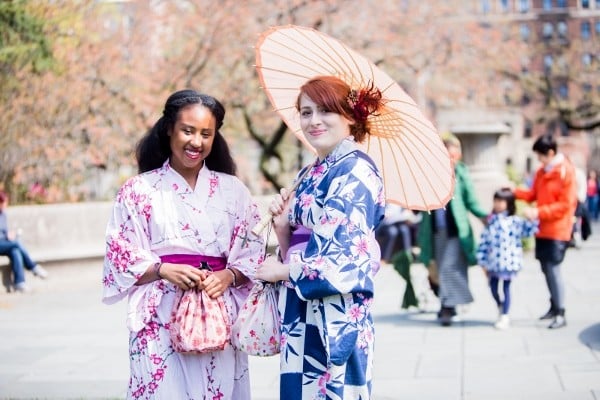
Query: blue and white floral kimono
327,330
500,250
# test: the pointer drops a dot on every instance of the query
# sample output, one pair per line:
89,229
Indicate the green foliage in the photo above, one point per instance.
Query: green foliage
22,40
513,175
528,242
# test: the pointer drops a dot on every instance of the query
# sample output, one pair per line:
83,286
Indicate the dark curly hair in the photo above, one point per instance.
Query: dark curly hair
154,148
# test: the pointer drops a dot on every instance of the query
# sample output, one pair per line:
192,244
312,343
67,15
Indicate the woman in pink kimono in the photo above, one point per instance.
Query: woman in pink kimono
185,208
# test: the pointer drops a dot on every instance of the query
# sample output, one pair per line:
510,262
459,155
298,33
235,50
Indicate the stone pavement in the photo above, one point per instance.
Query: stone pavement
61,342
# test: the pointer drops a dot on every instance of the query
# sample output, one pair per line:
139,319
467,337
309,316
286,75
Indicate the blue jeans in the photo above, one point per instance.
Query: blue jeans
592,206
555,285
387,236
19,258
504,300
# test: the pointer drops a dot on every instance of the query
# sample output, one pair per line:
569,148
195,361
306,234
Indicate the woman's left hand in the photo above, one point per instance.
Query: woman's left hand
272,270
279,209
216,283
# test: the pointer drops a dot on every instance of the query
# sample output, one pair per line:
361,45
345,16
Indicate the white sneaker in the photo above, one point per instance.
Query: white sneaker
38,270
503,322
22,287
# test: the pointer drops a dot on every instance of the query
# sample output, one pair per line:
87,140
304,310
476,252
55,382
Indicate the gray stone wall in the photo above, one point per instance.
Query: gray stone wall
69,231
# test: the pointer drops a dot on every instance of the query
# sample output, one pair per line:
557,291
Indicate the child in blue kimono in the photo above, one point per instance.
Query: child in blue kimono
500,250
326,234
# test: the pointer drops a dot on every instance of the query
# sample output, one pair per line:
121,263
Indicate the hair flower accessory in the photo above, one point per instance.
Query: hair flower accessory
364,102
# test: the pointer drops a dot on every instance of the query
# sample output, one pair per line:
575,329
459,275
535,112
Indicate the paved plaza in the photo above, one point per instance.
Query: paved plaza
61,342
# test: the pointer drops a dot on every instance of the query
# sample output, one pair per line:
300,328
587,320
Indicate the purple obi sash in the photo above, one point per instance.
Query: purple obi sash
300,235
208,262
298,240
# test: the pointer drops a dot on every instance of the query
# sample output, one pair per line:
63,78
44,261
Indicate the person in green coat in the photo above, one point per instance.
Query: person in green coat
446,238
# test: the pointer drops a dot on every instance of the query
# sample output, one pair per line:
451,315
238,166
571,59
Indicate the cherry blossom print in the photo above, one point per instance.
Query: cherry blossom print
360,246
356,313
157,214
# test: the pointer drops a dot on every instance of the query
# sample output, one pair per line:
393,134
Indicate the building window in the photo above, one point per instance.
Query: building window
585,3
597,24
564,129
485,6
523,6
561,27
528,129
528,168
562,64
525,61
525,32
586,30
547,30
562,3
547,5
548,61
563,91
586,60
586,88
505,7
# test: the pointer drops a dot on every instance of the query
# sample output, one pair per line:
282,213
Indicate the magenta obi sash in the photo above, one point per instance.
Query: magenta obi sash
199,261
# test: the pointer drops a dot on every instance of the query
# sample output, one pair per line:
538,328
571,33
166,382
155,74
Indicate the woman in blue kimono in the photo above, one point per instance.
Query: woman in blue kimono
328,254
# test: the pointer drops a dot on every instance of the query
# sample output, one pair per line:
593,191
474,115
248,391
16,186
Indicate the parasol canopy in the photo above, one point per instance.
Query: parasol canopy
415,165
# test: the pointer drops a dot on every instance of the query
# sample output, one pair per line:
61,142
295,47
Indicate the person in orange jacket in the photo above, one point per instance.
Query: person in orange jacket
554,192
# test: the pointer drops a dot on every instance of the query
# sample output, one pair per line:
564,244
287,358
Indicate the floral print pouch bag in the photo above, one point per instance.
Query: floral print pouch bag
256,330
199,324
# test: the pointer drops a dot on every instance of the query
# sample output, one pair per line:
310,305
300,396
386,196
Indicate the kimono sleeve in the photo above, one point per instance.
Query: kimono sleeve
128,253
247,249
529,228
484,248
339,255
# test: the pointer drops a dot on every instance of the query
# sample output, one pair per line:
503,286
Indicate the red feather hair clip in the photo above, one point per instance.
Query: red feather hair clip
364,102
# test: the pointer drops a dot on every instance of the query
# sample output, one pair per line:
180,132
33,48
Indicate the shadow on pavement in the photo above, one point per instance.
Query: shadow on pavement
591,337
419,318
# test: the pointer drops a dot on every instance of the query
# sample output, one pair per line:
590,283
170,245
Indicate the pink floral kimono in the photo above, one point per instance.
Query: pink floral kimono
157,214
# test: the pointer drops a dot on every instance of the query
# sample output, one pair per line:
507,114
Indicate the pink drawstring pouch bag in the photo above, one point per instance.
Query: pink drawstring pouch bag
199,324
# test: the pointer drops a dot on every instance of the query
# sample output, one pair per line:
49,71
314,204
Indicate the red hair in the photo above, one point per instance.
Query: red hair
335,95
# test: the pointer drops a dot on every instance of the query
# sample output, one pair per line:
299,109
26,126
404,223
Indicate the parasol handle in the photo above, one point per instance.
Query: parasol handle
265,220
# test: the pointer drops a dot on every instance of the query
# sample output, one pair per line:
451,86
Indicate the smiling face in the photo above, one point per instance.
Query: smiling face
191,141
323,129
